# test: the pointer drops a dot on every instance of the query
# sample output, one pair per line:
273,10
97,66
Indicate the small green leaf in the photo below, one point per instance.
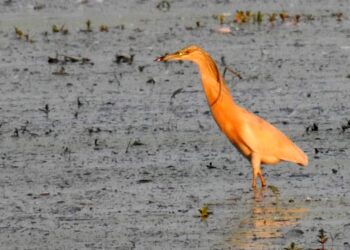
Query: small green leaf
274,189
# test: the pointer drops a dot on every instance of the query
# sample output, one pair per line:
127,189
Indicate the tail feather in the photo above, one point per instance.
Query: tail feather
296,155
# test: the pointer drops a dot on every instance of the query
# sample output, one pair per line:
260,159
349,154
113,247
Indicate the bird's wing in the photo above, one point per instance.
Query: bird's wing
263,138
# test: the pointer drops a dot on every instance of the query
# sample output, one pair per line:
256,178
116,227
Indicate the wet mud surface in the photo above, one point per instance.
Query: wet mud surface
104,154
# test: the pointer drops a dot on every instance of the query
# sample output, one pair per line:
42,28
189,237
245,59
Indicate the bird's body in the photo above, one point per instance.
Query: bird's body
259,141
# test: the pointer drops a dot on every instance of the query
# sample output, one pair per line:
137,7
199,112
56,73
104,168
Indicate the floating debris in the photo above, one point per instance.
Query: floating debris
39,6
345,127
163,5
79,103
60,72
120,27
141,68
151,81
96,142
210,166
94,130
233,72
137,143
53,60
312,128
63,59
82,60
142,181
7,2
339,16
46,109
15,133
124,59
309,17
224,30
178,91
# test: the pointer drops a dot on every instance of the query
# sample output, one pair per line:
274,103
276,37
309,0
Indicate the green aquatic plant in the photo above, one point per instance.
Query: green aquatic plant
296,19
242,17
55,28
259,17
221,19
88,25
272,17
61,29
21,35
334,237
284,16
274,189
204,212
104,28
322,238
19,32
293,246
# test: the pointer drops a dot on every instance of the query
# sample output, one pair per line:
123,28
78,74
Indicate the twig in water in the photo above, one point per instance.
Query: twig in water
235,73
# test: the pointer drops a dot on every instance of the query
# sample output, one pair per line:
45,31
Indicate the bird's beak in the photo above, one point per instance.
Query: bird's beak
160,59
166,58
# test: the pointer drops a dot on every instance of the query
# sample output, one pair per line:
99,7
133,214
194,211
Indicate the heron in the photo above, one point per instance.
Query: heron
255,138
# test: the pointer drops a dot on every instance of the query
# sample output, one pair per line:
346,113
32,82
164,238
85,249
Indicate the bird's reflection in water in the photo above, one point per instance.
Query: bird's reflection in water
263,227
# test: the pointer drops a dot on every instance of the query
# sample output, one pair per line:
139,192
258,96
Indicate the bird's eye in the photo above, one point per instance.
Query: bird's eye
179,53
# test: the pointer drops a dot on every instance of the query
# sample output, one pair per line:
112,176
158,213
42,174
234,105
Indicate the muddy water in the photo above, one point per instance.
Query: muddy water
114,162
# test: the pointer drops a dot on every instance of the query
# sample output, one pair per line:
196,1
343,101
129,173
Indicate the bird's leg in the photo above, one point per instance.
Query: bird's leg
262,179
255,161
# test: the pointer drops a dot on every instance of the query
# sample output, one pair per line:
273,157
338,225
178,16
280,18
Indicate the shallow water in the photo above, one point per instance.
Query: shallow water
73,176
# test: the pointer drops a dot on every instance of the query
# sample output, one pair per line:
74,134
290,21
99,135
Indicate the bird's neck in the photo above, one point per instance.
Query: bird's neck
213,84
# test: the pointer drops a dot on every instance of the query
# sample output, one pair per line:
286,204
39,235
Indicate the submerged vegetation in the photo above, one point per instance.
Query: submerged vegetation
322,239
249,17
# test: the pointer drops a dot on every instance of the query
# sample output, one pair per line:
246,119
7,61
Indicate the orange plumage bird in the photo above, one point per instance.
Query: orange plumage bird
258,140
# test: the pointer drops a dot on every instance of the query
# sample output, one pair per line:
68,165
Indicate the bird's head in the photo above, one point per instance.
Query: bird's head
189,53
